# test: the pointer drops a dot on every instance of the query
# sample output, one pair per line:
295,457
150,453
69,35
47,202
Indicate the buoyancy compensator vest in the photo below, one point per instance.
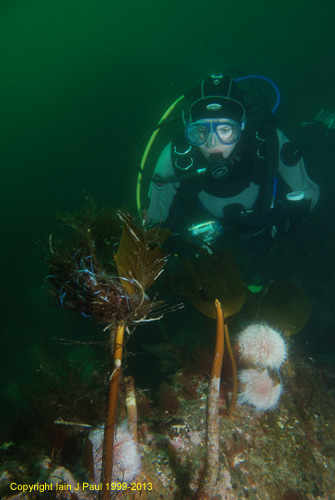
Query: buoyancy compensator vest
255,159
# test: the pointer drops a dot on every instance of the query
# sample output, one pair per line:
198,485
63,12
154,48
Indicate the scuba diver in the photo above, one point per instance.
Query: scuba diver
229,177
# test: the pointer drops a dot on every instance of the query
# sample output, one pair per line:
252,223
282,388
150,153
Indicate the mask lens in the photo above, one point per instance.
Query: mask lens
227,132
197,133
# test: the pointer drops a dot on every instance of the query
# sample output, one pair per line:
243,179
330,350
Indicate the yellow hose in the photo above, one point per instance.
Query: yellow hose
146,153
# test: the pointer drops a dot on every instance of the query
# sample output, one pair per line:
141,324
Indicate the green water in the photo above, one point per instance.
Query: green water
81,82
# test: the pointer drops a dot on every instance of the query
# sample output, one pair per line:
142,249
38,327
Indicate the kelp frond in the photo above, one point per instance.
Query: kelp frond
140,255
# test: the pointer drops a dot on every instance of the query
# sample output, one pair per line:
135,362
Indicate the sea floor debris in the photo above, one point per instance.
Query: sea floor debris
281,454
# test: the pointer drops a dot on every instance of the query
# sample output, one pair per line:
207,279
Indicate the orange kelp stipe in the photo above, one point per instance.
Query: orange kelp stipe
111,412
211,471
219,344
222,335
234,368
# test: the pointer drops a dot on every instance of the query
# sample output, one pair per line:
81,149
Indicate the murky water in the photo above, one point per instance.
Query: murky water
80,84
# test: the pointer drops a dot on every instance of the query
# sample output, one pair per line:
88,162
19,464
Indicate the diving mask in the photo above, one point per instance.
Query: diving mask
226,131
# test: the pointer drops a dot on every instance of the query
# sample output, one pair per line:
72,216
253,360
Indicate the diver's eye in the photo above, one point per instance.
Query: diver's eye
225,132
202,132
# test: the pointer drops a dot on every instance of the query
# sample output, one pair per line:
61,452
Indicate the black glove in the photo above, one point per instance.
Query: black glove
260,231
176,244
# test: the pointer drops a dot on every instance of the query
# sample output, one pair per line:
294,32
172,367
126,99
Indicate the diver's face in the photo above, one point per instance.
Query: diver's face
214,136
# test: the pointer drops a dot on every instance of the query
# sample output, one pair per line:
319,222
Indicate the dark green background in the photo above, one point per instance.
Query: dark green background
82,81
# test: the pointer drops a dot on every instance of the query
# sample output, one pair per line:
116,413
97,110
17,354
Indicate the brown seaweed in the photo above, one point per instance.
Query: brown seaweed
209,279
88,276
284,304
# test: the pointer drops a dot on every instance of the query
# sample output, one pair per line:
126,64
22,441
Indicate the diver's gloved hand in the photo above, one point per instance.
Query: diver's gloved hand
259,240
285,217
261,232
176,244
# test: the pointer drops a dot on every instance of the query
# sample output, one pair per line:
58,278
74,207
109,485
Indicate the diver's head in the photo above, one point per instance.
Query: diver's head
216,116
